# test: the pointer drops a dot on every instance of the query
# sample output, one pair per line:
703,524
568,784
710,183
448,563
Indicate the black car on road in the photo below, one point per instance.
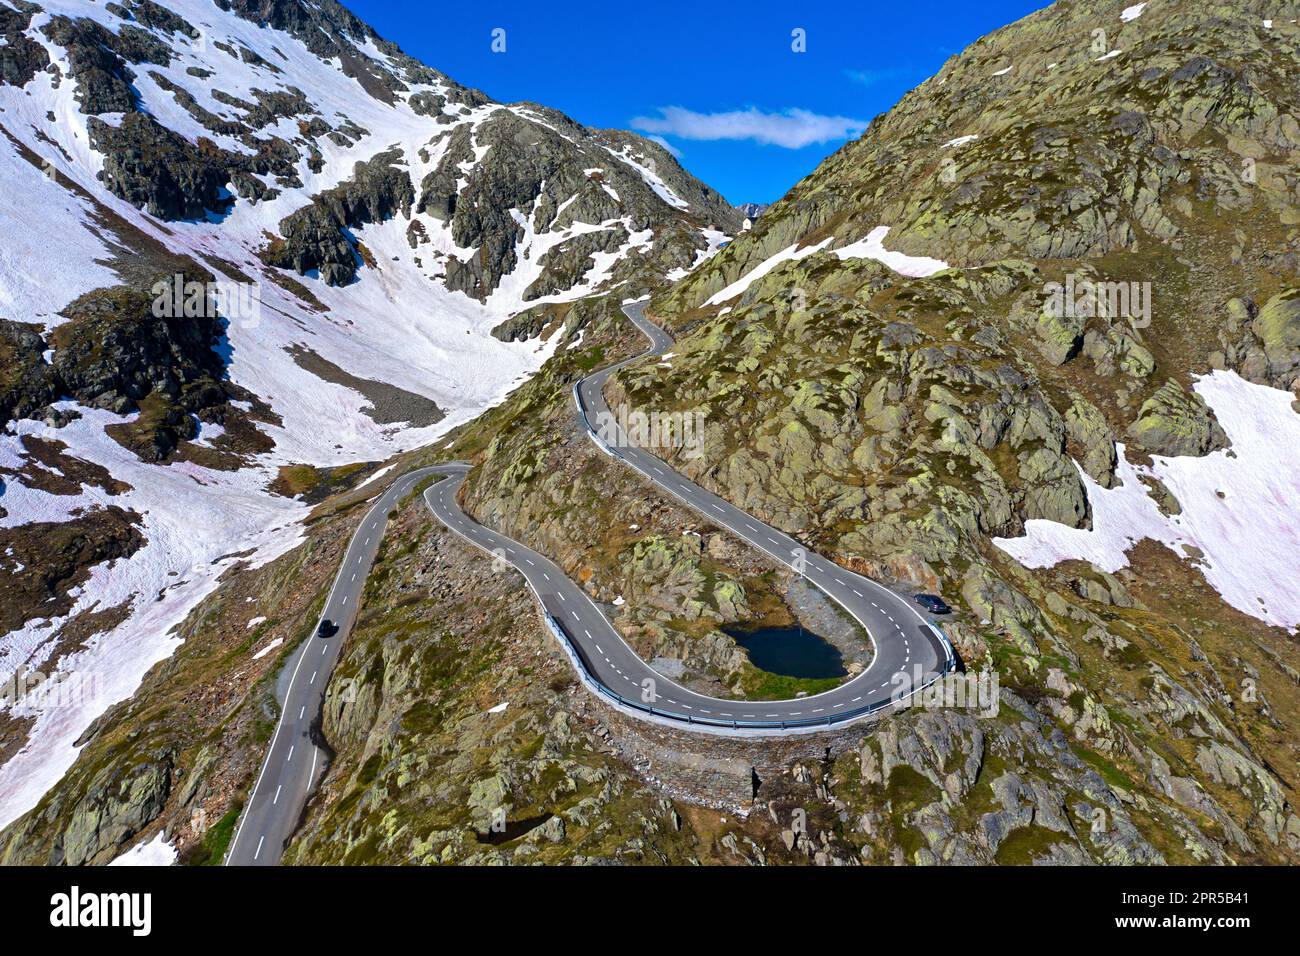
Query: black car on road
932,603
327,628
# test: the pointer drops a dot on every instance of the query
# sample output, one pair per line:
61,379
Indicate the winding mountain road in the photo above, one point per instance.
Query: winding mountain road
909,652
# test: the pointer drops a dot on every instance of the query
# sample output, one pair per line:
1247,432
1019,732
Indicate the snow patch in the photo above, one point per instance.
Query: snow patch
650,177
1240,522
268,649
788,254
872,247
1133,12
157,852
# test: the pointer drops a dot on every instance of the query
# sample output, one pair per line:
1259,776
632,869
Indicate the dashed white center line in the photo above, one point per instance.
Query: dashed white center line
276,798
313,677
258,851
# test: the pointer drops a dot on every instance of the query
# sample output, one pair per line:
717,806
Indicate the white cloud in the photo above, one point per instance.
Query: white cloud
673,151
792,128
874,77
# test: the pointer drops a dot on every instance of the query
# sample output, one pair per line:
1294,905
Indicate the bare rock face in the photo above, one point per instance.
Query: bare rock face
1278,327
113,811
314,236
21,57
115,351
538,159
25,382
1174,421
158,170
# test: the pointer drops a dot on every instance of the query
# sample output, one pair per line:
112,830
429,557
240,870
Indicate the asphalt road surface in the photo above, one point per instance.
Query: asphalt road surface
293,763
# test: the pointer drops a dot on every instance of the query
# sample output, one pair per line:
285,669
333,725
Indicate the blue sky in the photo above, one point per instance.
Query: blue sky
694,72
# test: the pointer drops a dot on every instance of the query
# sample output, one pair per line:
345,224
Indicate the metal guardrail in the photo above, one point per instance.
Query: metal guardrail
582,413
950,663
575,654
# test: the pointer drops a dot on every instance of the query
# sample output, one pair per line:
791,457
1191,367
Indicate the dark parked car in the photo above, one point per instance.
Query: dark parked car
327,628
933,603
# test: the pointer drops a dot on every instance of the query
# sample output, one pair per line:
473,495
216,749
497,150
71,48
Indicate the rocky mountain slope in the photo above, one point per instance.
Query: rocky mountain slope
251,249
886,366
936,361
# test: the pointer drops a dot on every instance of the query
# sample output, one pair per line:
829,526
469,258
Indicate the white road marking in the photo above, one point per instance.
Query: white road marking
258,851
276,798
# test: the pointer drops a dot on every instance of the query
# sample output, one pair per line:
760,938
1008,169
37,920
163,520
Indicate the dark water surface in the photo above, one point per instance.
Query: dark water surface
790,651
